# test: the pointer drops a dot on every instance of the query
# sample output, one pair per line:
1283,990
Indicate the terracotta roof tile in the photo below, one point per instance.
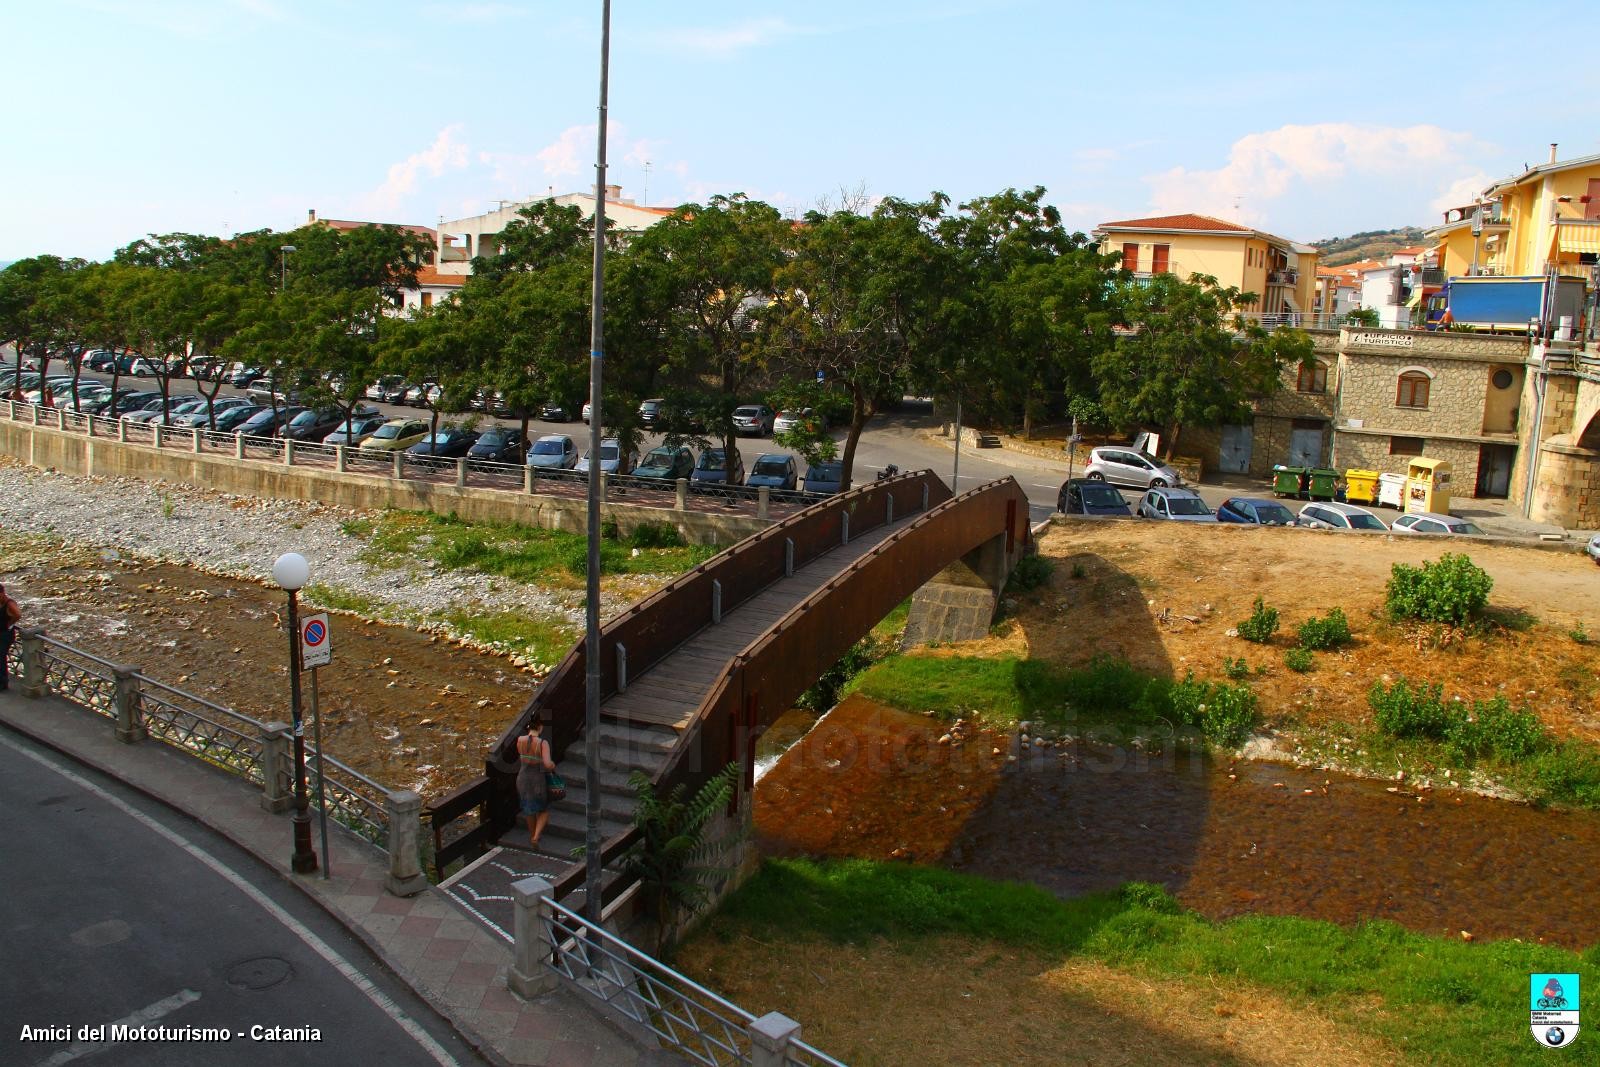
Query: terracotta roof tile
430,276
1177,222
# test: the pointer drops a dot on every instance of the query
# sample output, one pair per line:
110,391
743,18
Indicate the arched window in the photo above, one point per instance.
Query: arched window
1313,377
1413,392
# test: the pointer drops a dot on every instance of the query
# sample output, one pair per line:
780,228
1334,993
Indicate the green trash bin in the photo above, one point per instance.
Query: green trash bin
1324,484
1286,480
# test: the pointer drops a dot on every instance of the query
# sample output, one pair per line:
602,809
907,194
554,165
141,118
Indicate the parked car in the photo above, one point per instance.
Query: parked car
1091,498
555,450
775,470
395,435
1255,511
1125,466
1334,516
448,442
1592,549
267,422
756,419
201,415
499,444
793,419
713,467
243,376
1431,522
1181,505
100,359
825,479
612,459
230,420
666,463
355,430
387,389
554,412
650,411
132,400
313,424
587,410
158,409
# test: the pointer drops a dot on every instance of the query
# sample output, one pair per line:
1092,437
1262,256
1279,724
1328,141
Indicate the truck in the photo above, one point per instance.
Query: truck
1510,303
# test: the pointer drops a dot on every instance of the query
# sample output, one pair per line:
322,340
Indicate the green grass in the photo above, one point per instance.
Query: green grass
894,623
1106,692
335,599
538,640
1442,1001
517,551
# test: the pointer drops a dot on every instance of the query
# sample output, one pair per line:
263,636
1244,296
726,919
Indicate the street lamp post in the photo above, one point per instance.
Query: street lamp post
291,572
283,269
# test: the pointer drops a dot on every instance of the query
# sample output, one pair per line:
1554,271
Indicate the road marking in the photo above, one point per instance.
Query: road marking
142,1017
377,996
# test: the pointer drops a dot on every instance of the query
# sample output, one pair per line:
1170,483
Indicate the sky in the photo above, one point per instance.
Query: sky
130,117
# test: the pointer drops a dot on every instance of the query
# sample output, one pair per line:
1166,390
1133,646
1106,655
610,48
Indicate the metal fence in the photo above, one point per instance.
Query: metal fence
687,1017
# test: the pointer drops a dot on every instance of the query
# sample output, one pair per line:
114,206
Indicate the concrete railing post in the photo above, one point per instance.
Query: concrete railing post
89,425
763,502
682,503
156,433
61,419
30,646
340,460
276,776
529,976
122,431
602,476
33,413
404,809
238,446
399,464
288,451
130,723
771,1037
461,473
196,432
527,479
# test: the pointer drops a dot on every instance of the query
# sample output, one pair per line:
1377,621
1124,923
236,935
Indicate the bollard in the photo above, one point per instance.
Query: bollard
770,1039
340,461
683,494
529,977
277,777
238,446
399,464
30,644
404,809
461,473
763,502
288,452
130,724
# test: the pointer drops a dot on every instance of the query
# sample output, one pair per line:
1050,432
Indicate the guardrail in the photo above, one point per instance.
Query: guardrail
465,473
141,706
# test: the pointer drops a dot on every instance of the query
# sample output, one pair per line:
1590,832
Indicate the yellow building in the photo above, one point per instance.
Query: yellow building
1546,217
1282,274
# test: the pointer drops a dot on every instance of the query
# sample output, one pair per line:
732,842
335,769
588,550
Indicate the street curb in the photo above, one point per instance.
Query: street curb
445,1011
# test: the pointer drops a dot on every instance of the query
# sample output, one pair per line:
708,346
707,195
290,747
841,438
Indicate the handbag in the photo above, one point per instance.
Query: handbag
555,786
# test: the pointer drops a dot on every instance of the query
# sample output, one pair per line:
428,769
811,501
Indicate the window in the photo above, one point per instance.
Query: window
1159,254
1313,378
1130,256
1413,392
427,299
1406,446
1501,379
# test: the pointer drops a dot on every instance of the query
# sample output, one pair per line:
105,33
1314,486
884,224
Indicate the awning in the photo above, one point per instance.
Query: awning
1579,239
1288,301
1416,298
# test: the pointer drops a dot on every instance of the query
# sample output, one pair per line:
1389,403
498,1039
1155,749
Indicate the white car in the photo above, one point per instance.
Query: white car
1431,522
612,461
1126,466
554,450
1592,549
1332,516
792,419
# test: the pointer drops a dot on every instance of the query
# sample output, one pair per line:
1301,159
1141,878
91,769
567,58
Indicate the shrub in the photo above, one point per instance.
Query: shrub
1325,633
1237,669
610,530
1224,713
1579,634
1079,571
656,535
1261,625
1493,729
1407,711
1299,659
1486,728
1032,571
1450,590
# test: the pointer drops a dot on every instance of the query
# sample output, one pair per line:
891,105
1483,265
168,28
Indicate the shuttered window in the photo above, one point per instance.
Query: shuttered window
1413,391
1158,258
1130,257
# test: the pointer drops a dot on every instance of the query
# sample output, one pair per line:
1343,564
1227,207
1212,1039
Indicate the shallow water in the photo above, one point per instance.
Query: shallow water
872,780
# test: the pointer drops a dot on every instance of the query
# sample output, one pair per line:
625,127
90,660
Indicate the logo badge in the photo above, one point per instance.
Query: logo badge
1553,1008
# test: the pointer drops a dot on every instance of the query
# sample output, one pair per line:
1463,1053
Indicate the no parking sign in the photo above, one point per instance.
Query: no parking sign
316,650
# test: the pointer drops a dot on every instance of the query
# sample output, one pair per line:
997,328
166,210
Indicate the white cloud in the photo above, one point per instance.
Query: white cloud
447,152
726,40
1266,166
1462,191
564,156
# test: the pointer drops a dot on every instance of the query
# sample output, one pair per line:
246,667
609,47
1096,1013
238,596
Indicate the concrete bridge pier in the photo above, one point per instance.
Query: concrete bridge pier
959,603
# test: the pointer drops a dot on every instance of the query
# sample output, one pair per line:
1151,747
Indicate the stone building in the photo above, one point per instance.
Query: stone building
1557,475
1293,426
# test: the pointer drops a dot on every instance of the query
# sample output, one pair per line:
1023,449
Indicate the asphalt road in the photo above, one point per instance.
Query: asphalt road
116,911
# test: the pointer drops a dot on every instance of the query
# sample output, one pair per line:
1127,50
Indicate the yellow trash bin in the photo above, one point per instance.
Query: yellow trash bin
1361,487
1428,485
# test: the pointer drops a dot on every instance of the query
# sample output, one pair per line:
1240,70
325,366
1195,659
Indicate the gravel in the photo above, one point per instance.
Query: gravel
241,536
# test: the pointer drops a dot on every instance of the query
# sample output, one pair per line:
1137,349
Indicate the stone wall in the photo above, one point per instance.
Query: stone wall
73,453
1566,489
1371,452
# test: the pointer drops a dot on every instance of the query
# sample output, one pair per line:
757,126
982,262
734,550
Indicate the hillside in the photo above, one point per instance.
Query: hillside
1371,244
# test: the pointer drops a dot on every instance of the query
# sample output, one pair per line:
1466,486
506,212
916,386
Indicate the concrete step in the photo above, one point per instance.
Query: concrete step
633,737
568,825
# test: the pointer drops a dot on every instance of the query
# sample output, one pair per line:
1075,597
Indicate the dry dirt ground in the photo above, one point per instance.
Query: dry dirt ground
1164,595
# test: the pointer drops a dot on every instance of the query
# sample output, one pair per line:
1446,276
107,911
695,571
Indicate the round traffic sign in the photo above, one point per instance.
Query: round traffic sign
316,633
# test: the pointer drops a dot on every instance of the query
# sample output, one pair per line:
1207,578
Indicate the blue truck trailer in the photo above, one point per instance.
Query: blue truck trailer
1510,303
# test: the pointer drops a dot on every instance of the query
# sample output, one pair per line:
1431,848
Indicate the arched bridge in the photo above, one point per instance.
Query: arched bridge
692,674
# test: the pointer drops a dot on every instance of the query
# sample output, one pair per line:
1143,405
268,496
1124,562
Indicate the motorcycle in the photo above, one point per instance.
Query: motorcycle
891,471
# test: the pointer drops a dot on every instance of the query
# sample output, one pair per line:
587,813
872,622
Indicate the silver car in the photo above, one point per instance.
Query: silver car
1180,505
1431,522
1125,466
1332,516
553,450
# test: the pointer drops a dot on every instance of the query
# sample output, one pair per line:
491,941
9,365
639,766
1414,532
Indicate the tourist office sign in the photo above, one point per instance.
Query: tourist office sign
1384,340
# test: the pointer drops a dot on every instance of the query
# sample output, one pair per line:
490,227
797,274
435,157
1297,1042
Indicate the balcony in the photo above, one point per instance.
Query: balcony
1283,277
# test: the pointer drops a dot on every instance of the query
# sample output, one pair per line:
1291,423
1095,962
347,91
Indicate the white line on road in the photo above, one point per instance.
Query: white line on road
379,999
142,1017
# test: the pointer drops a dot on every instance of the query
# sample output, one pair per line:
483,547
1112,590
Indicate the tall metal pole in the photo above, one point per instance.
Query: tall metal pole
304,860
322,781
955,473
592,904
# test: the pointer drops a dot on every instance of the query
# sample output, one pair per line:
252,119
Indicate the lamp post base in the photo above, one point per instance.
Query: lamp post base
304,860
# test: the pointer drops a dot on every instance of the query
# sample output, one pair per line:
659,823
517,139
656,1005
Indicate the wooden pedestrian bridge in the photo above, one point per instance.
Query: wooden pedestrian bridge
692,674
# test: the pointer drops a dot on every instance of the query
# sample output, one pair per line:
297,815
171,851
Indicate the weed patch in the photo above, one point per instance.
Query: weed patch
1322,634
1261,625
1300,659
